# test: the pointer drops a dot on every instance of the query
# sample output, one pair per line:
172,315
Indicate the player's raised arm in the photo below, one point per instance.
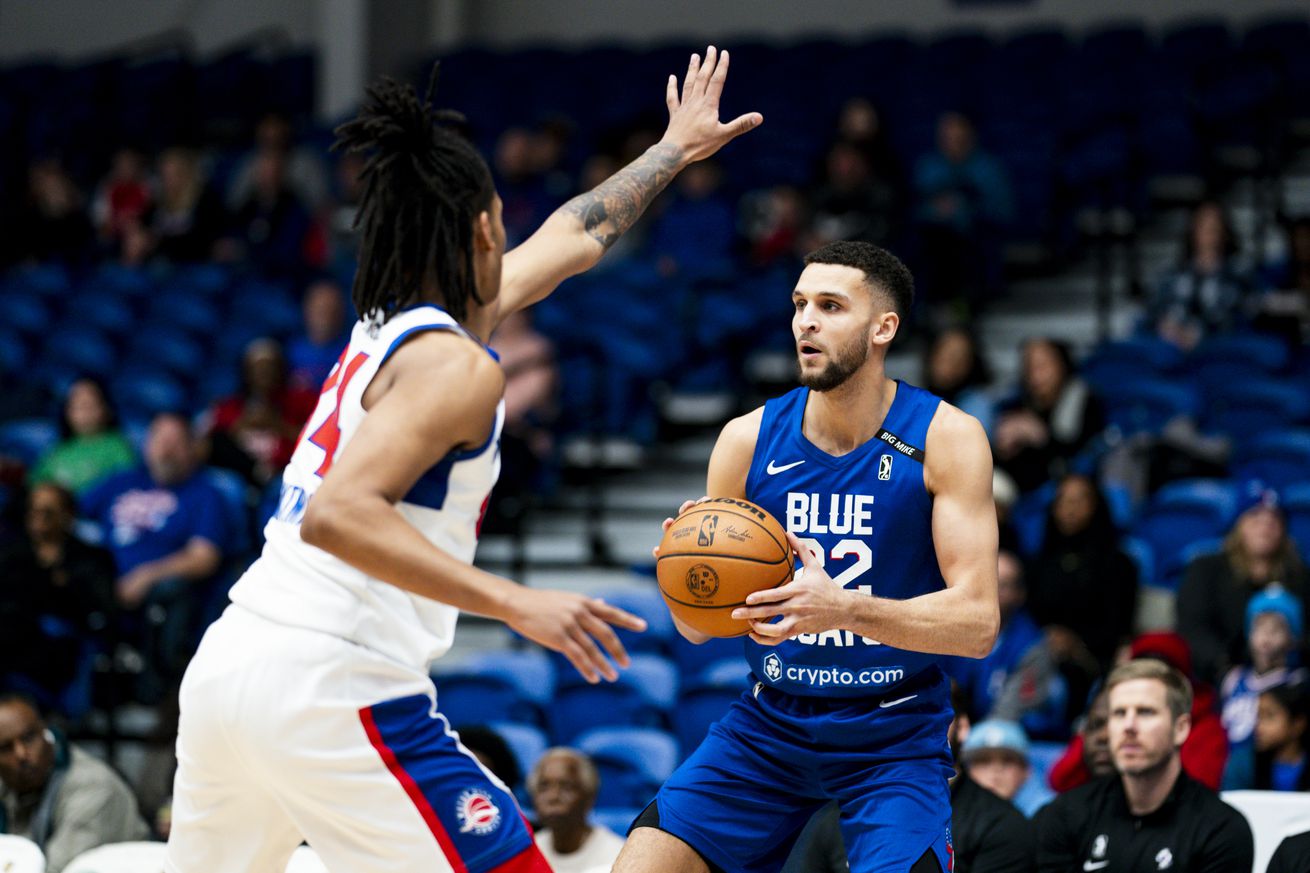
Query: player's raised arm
577,234
962,619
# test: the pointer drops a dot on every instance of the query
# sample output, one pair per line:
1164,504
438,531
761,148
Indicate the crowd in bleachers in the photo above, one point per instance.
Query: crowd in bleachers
175,265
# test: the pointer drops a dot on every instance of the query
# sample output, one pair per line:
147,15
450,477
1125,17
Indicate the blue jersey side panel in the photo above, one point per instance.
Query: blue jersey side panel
869,516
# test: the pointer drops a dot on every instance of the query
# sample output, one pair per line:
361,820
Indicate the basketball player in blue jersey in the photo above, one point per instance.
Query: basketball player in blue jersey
308,713
885,491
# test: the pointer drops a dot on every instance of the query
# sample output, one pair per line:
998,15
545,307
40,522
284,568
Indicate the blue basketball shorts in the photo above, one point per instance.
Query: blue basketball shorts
774,759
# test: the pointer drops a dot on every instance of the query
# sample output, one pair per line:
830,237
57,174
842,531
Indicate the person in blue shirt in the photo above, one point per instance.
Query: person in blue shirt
1017,681
885,493
166,527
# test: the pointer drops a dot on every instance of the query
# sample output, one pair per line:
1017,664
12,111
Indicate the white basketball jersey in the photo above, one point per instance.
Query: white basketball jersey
298,584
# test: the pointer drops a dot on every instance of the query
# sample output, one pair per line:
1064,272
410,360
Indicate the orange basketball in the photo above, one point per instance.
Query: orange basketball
716,553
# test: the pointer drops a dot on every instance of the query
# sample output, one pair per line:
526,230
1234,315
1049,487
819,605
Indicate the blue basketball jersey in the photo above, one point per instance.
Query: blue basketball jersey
868,516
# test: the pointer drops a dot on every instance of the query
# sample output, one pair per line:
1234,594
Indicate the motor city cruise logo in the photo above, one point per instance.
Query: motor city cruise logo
776,670
477,812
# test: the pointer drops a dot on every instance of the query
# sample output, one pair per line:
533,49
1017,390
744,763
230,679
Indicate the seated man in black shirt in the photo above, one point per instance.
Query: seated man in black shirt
1292,856
1150,815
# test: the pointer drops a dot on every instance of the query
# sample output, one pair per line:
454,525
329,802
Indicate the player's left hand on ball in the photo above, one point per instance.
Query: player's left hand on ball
694,114
668,522
810,603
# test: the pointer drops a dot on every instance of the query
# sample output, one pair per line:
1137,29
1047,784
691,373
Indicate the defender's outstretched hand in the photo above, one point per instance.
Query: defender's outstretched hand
572,625
694,125
810,603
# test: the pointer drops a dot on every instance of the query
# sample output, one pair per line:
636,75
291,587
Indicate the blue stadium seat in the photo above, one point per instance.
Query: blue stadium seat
192,313
108,312
649,605
1268,353
472,697
1147,405
166,346
1143,557
1183,513
197,280
526,741
706,697
49,281
13,351
1244,409
1028,517
28,439
616,818
633,763
116,280
1279,457
139,394
80,348
691,658
532,672
27,313
643,696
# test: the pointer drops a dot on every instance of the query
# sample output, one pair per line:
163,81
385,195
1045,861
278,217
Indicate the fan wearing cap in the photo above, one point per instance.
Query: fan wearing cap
996,756
1150,815
1212,599
1275,626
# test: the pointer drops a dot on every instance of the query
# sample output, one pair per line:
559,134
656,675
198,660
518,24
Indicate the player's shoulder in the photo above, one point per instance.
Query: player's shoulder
744,429
952,426
431,354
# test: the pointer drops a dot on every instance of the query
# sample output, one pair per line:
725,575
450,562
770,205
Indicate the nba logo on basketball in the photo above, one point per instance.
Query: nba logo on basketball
476,812
885,467
708,525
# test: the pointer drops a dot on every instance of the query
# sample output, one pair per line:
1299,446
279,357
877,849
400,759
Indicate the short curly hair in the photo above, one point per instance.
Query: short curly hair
883,270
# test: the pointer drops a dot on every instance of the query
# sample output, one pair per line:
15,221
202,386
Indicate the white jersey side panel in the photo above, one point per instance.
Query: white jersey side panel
298,584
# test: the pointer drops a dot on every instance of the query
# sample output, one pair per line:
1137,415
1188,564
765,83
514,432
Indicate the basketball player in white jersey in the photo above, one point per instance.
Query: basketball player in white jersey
308,713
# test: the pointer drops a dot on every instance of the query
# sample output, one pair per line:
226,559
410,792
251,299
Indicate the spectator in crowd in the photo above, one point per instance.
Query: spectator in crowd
1275,624
494,753
312,354
338,217
850,202
166,527
1285,307
526,203
1151,815
272,228
123,197
989,834
91,447
564,784
1017,681
963,205
1281,737
1088,754
996,755
1004,495
1257,553
254,432
1052,418
531,381
1207,292
1081,589
57,795
187,218
955,370
775,223
55,590
53,224
1205,751
861,124
696,232
304,170
1292,855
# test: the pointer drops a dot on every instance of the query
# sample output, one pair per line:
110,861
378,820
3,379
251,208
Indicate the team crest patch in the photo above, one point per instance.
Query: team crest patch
477,813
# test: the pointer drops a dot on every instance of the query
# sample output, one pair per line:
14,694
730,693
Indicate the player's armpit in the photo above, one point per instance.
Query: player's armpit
730,462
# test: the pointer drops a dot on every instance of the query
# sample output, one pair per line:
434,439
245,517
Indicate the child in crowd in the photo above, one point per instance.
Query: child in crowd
1274,622
1280,739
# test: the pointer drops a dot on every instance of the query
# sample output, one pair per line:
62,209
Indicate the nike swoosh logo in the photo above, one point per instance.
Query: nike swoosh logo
773,469
889,703
1095,865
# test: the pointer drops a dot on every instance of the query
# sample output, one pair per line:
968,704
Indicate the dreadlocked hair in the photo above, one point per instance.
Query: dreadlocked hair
424,185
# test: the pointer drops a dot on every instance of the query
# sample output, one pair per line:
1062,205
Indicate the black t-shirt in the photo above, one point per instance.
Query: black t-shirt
1293,855
988,833
1091,829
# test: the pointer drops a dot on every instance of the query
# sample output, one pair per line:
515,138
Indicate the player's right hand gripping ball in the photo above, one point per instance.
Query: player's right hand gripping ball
716,553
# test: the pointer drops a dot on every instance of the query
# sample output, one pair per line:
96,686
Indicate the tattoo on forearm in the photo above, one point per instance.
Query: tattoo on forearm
613,206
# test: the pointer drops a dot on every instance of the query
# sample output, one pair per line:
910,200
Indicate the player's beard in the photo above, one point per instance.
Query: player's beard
842,364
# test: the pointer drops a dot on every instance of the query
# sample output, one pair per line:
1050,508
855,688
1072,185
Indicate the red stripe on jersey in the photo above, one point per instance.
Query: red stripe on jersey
416,794
530,860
